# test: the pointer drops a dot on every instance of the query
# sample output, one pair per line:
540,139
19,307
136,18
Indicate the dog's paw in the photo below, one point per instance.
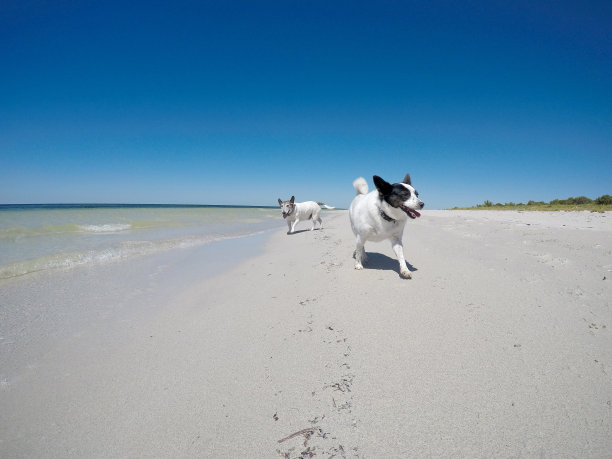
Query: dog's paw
406,274
358,265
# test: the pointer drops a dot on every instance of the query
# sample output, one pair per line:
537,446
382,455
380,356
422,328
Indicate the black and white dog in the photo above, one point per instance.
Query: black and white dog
294,212
382,214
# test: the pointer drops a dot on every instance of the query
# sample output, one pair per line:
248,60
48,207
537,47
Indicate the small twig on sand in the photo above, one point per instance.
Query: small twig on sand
299,432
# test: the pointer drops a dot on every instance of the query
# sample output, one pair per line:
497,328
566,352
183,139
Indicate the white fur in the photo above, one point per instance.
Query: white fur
369,225
304,211
361,186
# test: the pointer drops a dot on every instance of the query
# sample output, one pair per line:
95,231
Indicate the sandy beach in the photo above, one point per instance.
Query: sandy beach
499,346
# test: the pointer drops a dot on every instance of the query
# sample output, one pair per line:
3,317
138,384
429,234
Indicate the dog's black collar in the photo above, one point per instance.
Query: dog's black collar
386,217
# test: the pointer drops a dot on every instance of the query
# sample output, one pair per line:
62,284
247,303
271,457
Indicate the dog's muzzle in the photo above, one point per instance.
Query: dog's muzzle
412,213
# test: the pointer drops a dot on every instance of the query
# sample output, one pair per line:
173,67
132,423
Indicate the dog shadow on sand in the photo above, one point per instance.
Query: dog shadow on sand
302,231
382,262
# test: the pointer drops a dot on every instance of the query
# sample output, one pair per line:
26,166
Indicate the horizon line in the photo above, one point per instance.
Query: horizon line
124,204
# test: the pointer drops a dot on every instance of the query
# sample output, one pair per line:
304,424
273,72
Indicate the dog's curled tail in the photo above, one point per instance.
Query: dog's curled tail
361,186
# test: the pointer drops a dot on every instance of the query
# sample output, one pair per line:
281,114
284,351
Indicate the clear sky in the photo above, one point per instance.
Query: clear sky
227,102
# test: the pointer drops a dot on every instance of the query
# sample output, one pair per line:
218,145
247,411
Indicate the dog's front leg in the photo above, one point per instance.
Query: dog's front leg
399,252
359,253
295,222
289,230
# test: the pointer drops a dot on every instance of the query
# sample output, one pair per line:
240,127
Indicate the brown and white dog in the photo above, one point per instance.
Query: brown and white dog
382,214
295,212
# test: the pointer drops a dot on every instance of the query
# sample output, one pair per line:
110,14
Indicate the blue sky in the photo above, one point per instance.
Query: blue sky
231,102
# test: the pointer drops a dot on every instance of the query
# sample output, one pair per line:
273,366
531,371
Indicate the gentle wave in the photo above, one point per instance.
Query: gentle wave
122,251
16,232
107,228
20,231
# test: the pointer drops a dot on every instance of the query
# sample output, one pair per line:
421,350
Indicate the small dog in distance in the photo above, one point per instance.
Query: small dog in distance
295,212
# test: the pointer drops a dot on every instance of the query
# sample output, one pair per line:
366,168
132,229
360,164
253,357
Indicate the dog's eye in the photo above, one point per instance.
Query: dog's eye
417,193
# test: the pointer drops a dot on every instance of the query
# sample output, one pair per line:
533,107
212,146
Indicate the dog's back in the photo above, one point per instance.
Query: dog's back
307,210
359,214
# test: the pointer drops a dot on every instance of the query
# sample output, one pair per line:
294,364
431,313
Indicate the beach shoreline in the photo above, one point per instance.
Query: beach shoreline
500,345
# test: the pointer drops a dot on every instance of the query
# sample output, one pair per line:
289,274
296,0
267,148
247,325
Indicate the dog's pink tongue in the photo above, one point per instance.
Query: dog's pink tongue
416,213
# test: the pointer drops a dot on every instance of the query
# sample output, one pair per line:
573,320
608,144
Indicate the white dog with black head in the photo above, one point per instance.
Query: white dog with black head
382,214
295,212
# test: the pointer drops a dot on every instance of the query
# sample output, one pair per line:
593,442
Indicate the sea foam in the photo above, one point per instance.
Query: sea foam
106,228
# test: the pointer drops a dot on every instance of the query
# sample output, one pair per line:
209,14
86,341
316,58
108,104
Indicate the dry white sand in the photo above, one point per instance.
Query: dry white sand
500,346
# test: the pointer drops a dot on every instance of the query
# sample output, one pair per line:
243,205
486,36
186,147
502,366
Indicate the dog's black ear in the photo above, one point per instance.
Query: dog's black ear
382,186
407,180
280,203
292,199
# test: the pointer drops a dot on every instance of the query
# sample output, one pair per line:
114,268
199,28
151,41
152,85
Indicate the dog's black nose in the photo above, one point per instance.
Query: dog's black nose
422,205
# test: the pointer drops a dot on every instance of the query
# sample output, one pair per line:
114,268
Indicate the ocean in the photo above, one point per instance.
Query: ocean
36,238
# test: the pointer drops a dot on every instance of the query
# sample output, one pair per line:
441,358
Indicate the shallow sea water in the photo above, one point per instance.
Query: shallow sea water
46,237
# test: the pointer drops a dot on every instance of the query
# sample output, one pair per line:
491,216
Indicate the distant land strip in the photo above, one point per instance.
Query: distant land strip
600,204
